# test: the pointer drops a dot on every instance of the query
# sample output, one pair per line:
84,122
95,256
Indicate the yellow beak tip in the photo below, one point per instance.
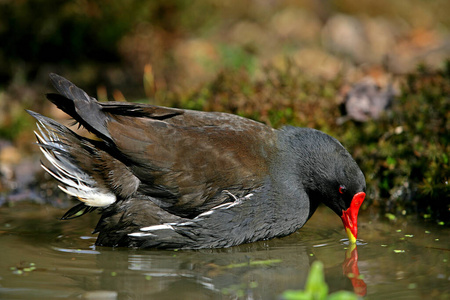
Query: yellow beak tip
350,235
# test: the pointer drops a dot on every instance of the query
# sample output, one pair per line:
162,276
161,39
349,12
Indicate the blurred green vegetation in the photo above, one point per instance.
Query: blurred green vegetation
405,154
91,38
278,62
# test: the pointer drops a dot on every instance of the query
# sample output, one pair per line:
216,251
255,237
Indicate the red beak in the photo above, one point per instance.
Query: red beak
350,216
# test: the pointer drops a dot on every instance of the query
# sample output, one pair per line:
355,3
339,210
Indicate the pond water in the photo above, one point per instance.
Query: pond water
44,258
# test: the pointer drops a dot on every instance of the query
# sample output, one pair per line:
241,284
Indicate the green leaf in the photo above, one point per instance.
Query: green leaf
316,288
315,283
297,295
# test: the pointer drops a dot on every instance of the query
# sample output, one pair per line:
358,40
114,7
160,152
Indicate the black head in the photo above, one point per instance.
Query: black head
328,172
347,181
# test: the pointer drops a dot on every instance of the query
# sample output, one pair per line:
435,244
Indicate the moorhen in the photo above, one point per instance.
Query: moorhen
183,179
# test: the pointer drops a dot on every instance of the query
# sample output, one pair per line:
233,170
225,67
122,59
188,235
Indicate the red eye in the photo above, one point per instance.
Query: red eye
342,189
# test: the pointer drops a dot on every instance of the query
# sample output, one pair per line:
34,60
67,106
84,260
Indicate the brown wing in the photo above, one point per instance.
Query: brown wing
193,156
183,159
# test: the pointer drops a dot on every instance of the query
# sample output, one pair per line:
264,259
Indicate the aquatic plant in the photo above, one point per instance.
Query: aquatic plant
316,288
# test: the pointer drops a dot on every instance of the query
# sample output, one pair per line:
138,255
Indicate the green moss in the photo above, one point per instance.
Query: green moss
404,155
13,125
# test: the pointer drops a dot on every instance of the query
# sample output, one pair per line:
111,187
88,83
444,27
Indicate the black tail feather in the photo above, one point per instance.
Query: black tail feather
77,211
67,88
80,106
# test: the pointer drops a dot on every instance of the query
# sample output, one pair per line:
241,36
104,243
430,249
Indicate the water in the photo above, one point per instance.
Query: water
44,258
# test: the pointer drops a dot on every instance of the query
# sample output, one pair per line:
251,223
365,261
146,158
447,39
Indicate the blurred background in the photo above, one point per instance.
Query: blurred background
374,74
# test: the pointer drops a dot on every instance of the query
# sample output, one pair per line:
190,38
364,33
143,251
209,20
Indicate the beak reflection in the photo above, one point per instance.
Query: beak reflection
351,270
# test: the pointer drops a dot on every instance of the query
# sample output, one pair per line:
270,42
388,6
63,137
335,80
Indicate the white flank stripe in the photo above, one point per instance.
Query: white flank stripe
157,227
206,213
140,234
226,205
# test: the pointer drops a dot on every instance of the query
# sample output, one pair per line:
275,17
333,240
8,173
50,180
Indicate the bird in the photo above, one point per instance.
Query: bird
172,178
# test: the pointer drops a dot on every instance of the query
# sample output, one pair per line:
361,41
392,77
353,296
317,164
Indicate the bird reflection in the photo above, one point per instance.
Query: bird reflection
258,270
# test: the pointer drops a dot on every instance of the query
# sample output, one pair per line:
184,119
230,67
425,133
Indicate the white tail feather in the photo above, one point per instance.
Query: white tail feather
77,183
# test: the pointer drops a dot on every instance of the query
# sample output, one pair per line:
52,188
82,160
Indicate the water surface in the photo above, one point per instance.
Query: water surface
44,258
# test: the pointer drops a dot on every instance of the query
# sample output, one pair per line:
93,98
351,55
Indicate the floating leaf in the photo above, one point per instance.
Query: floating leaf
254,263
391,217
412,286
